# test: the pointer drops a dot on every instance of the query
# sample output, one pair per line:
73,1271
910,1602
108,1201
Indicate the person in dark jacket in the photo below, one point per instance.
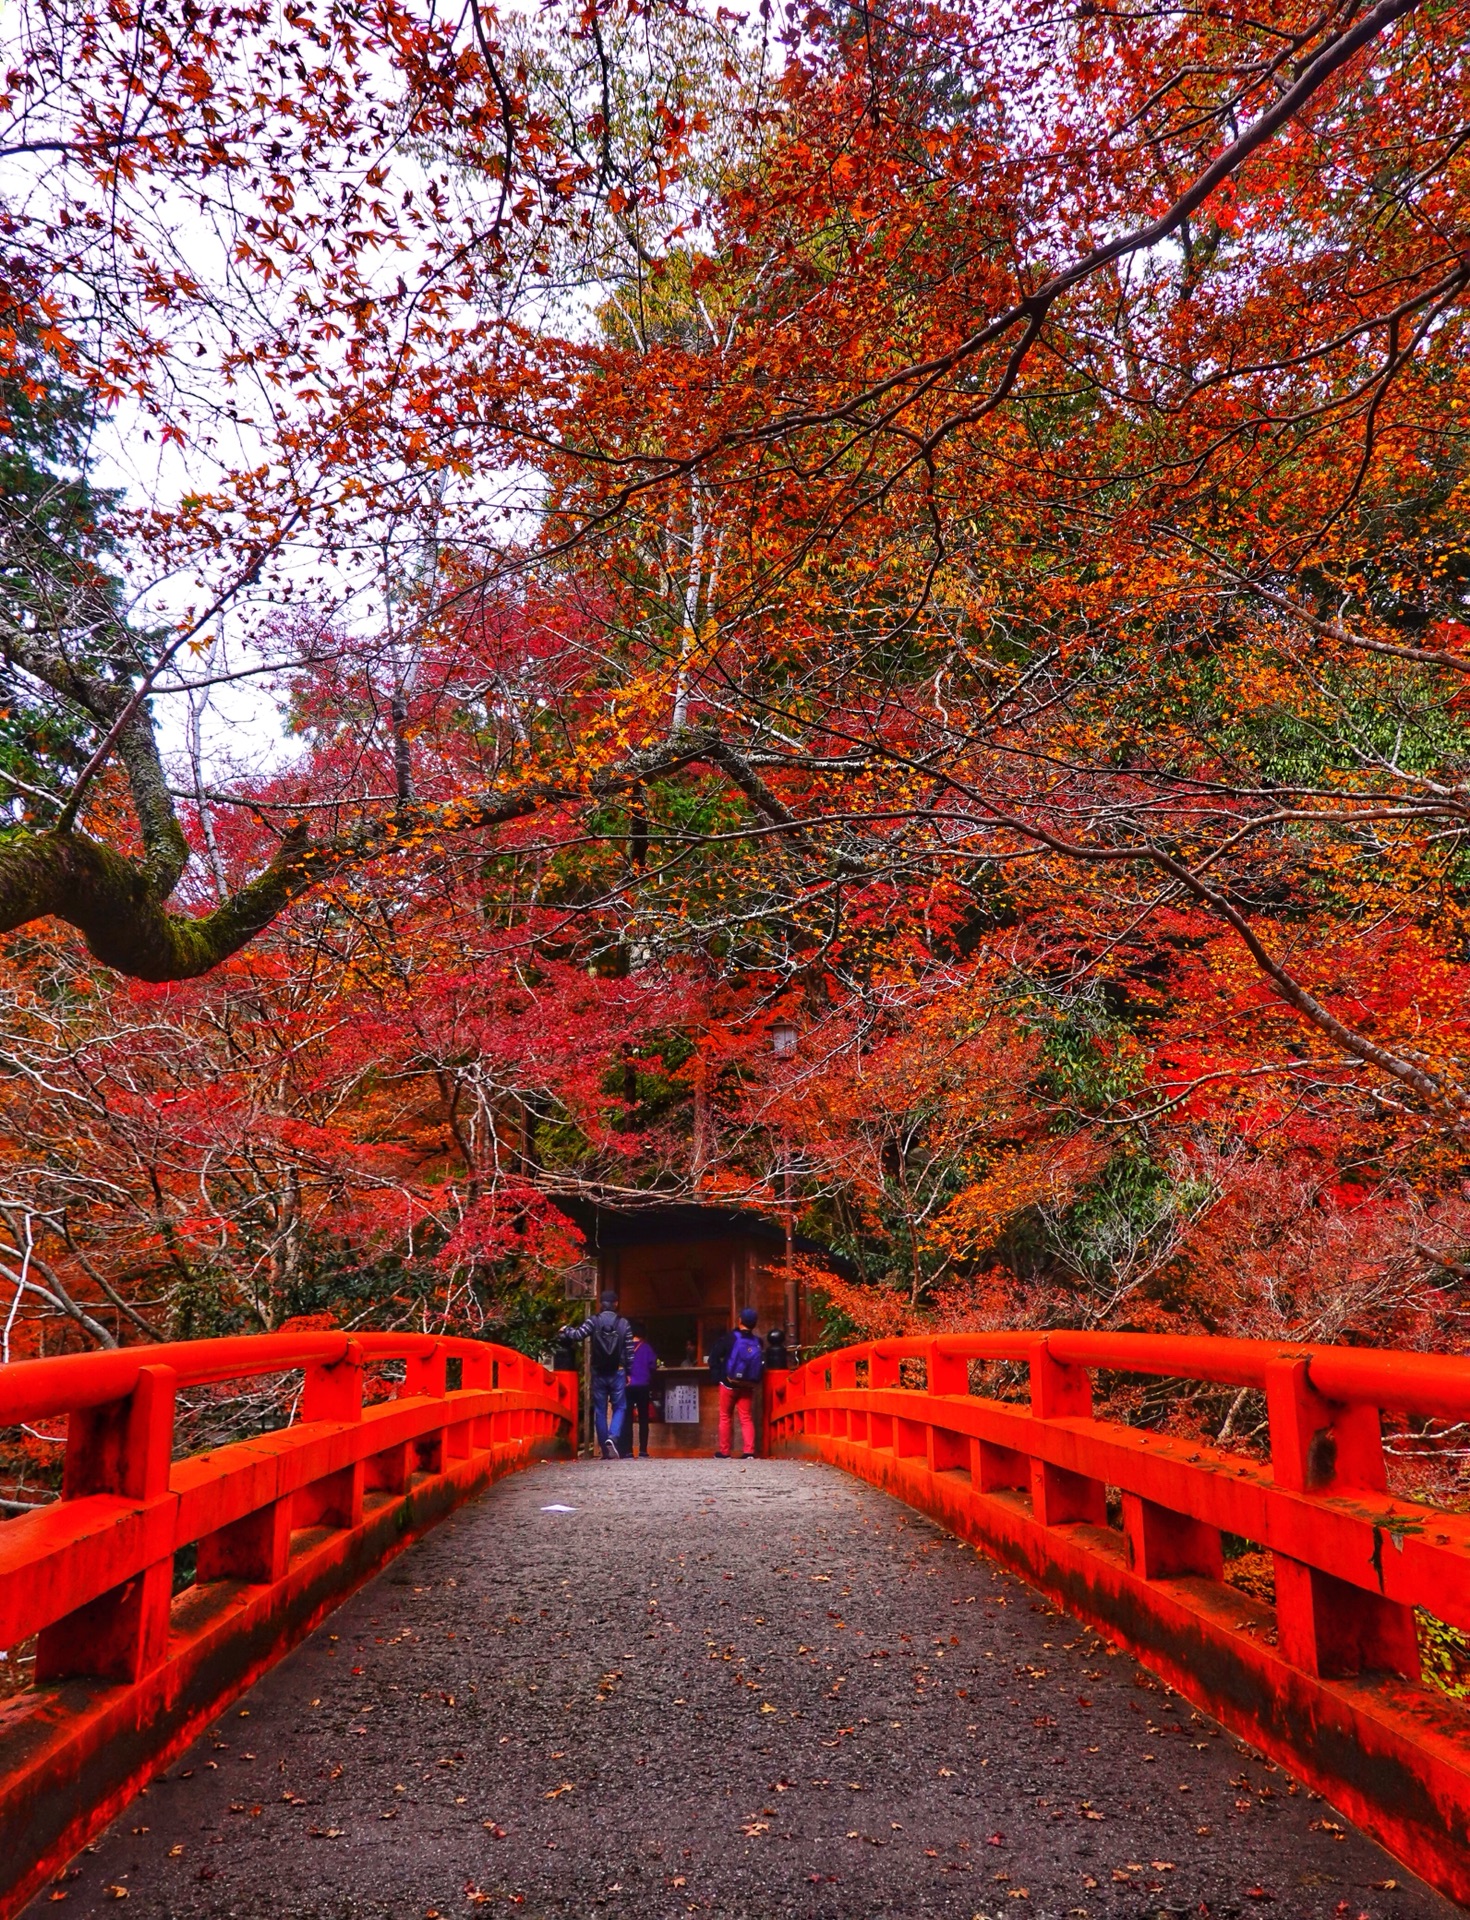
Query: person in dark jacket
736,1363
641,1369
611,1341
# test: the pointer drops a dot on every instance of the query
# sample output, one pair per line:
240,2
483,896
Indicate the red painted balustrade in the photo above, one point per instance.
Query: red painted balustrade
1327,1680
284,1525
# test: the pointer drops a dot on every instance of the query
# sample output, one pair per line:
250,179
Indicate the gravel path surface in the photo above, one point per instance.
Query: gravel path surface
724,1689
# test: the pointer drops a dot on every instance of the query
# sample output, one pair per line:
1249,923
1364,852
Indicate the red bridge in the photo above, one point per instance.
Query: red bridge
685,1612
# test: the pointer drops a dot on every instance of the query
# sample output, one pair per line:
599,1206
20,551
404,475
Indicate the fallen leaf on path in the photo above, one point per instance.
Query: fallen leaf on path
567,1786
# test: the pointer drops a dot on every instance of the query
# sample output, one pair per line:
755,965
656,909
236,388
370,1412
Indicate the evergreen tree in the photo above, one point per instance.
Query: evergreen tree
60,590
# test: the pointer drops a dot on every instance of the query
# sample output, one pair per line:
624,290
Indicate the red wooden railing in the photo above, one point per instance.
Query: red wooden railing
1327,1680
285,1525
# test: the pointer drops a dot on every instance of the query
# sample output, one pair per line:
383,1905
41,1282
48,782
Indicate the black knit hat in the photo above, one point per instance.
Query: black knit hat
748,1316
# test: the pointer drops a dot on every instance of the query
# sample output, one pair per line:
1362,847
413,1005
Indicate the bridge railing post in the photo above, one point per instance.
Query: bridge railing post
124,1448
334,1392
947,1374
427,1373
1058,1495
459,1435
1329,1627
564,1385
1162,1544
479,1372
883,1375
797,1387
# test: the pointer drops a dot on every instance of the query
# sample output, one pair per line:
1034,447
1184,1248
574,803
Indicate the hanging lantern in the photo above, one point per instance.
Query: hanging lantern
784,1036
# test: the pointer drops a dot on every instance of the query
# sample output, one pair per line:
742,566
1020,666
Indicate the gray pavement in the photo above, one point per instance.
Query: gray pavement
716,1688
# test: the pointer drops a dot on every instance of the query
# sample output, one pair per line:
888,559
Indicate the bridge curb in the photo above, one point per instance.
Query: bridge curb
73,1754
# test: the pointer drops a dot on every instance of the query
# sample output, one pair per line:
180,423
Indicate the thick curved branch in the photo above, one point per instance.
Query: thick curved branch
126,923
123,916
128,724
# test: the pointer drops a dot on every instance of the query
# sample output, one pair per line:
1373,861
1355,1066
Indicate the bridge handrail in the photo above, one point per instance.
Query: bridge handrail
1430,1384
66,1383
284,1525
127,1506
1127,1527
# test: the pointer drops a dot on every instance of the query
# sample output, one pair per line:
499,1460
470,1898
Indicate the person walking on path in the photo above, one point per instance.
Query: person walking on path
737,1363
641,1369
611,1341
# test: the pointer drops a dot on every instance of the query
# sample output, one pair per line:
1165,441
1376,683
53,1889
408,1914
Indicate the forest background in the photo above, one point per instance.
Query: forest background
536,546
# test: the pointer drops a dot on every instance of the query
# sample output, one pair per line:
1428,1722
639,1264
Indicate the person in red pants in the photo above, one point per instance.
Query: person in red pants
739,1361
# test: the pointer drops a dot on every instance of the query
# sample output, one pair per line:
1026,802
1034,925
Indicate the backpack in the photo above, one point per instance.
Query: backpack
609,1343
747,1360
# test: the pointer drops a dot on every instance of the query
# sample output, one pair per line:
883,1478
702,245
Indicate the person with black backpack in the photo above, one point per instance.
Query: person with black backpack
611,1341
736,1363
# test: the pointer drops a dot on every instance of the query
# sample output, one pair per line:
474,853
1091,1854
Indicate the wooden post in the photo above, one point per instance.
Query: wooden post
333,1393
122,1448
1059,1391
426,1374
1329,1627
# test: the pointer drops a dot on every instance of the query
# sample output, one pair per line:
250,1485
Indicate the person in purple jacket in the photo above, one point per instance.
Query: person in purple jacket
641,1369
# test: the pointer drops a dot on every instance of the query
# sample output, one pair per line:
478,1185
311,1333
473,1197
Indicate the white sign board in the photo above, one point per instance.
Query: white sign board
681,1406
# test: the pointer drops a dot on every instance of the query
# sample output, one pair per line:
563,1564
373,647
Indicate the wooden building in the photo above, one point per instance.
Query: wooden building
682,1274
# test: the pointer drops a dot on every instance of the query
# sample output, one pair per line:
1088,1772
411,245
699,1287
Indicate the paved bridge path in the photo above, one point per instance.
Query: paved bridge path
714,1688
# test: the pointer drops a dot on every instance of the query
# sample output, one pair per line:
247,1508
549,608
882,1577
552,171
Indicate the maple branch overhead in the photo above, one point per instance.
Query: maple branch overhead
909,383
119,905
1441,1094
1313,622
